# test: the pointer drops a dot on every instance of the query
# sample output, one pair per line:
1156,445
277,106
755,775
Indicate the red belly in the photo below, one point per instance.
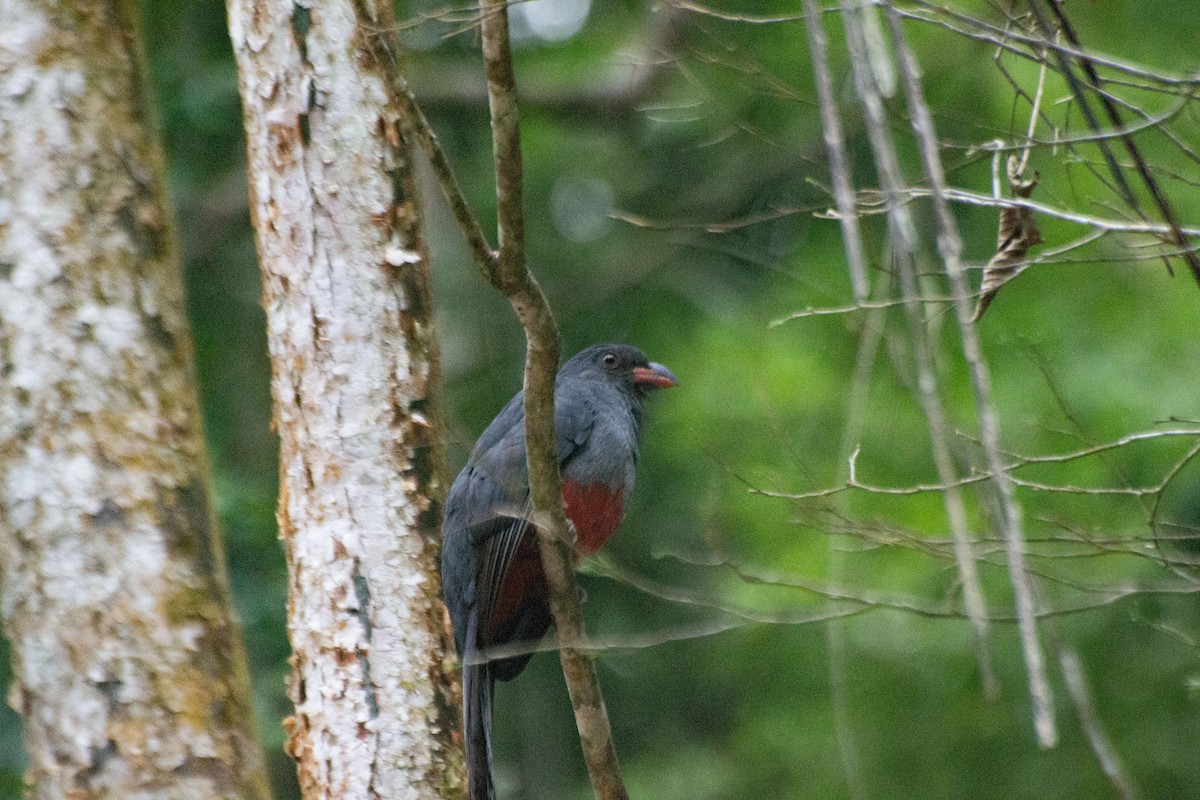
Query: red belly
595,510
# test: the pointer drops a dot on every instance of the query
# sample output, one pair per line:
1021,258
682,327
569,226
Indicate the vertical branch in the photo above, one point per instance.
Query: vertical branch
950,247
903,236
511,276
835,145
1034,112
1089,720
868,345
870,337
506,149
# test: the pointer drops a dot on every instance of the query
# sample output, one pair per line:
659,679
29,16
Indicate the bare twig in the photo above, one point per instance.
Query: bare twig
1080,93
871,202
921,607
613,95
1085,108
750,19
870,337
1093,728
627,642
835,144
980,29
1100,223
510,270
1017,462
950,247
688,597
1100,134
872,305
416,121
511,276
927,386
1034,110
1114,116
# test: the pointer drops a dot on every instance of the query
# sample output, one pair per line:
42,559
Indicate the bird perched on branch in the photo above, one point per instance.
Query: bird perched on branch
491,568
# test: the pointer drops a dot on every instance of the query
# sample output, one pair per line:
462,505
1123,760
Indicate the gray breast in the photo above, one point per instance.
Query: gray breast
612,449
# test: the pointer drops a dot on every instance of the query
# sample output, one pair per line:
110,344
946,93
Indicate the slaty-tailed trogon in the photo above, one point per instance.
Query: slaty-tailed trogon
491,570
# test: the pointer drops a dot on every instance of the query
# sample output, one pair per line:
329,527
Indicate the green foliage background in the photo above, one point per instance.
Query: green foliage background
1081,352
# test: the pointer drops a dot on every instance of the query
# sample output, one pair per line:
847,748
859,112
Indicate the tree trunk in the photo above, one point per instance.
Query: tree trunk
128,669
355,386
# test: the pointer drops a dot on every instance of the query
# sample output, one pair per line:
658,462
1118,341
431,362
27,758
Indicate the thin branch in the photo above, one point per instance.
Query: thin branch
1018,462
997,36
871,202
870,337
1080,92
872,305
472,231
614,95
511,273
1106,446
1114,116
1105,596
1093,728
835,144
1046,257
950,247
1170,476
626,642
512,277
1099,134
1034,110
853,606
1100,223
750,19
688,597
417,124
1085,108
927,388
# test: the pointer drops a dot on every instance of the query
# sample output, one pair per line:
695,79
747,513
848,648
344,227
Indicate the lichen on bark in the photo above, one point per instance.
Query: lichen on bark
128,668
355,390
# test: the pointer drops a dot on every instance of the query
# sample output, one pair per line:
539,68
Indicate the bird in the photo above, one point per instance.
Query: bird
492,579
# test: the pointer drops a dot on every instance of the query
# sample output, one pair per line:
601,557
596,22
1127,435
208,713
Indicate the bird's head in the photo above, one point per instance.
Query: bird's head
622,365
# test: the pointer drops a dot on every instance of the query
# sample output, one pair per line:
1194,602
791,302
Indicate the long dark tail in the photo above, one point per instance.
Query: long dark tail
478,685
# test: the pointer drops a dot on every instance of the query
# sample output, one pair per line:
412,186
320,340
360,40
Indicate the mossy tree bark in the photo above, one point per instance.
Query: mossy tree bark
129,673
356,398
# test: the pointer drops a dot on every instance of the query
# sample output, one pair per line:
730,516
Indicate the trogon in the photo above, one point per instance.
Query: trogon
492,574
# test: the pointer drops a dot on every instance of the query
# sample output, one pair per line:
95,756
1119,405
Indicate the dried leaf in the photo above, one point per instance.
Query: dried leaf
1017,233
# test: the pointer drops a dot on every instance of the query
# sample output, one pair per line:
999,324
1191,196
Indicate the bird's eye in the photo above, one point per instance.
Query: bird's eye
610,359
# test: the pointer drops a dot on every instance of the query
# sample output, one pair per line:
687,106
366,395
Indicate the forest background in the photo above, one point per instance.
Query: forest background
677,184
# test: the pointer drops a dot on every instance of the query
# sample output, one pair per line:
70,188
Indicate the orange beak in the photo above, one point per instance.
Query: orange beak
655,376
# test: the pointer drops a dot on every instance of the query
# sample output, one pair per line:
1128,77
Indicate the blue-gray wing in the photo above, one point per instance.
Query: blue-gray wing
488,508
